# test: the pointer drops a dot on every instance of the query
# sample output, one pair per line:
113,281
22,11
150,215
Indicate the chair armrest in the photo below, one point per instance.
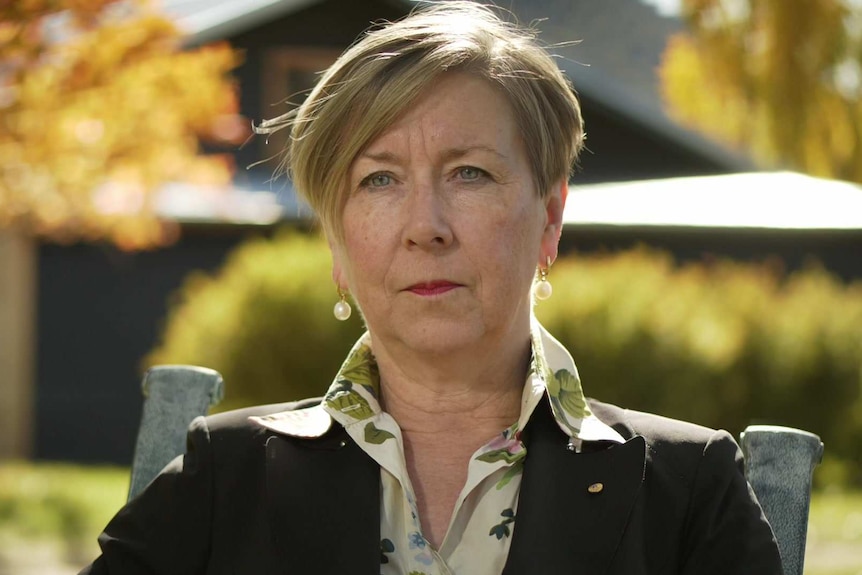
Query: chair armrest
173,396
779,463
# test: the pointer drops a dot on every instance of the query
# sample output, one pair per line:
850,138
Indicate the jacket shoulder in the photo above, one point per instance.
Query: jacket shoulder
651,426
673,446
240,418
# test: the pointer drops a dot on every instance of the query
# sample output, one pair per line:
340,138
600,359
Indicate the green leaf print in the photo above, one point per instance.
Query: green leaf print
361,369
568,390
375,435
510,474
344,399
502,455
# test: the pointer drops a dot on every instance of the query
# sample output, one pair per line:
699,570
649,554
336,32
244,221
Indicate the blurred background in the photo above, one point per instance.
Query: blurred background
712,254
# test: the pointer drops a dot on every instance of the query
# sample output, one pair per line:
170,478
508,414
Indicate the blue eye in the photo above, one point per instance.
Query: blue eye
376,180
469,173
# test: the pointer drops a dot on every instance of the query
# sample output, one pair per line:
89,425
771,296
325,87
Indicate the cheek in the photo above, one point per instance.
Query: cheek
512,242
524,227
364,252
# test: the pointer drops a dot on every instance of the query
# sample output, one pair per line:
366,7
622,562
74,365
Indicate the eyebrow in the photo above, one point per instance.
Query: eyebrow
456,153
448,155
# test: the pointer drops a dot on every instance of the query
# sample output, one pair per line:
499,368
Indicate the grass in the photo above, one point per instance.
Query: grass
55,511
835,534
50,515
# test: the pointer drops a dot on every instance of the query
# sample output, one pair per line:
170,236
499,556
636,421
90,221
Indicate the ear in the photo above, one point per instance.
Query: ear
555,203
338,274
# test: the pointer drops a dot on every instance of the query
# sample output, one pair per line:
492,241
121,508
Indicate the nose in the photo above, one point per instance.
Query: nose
427,224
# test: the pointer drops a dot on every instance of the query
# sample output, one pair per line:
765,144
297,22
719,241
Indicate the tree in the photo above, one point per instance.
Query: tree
780,79
99,105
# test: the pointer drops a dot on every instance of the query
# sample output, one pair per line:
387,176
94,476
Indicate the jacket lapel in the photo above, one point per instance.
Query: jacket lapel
324,504
573,508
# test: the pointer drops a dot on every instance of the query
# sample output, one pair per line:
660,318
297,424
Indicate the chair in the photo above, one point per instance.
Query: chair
779,461
173,396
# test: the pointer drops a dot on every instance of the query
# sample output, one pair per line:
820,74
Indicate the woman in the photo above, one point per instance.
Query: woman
456,437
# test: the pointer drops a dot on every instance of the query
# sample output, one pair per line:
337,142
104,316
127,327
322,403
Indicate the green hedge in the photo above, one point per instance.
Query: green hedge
264,322
724,344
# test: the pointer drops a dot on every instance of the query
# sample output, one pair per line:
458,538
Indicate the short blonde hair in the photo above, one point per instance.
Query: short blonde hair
377,78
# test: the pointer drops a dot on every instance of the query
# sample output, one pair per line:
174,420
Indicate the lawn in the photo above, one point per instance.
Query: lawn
50,515
835,534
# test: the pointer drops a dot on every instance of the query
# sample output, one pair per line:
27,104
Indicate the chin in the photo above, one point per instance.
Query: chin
445,338
446,341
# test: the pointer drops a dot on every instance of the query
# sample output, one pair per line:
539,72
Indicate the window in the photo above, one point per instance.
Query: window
288,76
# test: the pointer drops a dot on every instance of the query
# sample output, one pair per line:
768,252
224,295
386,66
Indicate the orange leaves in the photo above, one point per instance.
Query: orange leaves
755,75
694,95
95,117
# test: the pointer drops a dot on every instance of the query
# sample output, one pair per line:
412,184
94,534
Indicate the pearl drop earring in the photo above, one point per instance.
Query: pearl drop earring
342,309
543,287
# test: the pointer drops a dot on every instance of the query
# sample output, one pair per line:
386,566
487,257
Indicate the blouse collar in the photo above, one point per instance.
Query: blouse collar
354,394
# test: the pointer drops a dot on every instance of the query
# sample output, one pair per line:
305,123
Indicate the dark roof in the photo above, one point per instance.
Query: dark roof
612,64
211,20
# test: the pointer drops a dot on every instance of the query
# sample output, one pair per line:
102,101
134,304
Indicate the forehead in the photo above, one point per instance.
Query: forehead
457,110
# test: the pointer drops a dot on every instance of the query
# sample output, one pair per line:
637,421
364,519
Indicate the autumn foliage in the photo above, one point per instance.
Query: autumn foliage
780,79
99,106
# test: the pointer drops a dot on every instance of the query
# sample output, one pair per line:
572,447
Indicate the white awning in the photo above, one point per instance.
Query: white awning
768,200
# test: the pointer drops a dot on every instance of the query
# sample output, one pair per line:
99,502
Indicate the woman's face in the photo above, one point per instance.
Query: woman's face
443,227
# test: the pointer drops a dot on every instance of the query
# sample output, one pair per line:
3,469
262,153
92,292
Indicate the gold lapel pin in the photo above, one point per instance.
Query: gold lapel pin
596,488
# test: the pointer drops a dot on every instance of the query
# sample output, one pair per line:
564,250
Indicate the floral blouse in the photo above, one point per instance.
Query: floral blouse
485,514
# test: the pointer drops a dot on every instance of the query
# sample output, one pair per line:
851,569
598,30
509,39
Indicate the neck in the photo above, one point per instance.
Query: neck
429,395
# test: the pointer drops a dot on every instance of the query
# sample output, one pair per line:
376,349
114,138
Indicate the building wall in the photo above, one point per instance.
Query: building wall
99,313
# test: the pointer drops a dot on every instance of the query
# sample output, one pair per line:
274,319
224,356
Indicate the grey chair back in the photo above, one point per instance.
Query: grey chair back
173,396
779,464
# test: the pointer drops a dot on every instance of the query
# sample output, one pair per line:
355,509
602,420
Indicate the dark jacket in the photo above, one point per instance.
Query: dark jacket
247,500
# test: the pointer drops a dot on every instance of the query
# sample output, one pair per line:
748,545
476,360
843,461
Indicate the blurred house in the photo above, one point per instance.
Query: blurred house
99,310
610,49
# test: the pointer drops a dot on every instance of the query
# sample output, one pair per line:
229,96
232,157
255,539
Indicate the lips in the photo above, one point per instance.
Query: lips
432,288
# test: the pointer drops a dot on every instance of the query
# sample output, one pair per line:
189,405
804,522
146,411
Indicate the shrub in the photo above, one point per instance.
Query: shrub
722,344
264,321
